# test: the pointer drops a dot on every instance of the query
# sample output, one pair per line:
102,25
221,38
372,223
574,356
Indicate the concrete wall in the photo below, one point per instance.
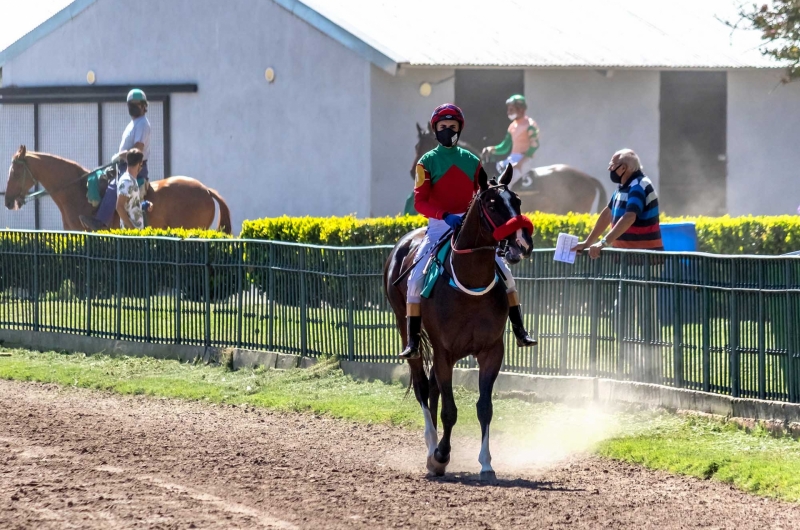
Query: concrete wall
297,146
763,135
396,107
581,115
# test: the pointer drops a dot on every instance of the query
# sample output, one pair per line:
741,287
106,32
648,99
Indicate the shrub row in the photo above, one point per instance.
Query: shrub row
719,235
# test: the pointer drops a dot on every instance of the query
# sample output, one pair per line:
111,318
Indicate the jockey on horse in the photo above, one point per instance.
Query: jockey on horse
446,182
520,143
136,135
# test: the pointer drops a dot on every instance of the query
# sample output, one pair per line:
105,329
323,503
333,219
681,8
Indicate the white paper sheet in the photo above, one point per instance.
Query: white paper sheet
563,245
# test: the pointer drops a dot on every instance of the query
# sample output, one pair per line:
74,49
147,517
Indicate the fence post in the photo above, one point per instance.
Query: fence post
271,294
677,324
36,243
147,305
593,320
565,306
207,295
178,338
792,374
303,304
733,337
621,313
762,357
88,282
239,291
118,276
706,328
650,353
351,336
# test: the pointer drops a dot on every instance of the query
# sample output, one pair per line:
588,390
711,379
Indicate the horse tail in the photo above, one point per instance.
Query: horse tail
602,197
426,352
225,224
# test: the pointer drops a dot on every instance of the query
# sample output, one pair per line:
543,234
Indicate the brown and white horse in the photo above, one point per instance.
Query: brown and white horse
178,202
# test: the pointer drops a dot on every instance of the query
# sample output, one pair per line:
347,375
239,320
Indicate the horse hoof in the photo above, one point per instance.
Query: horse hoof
437,468
488,477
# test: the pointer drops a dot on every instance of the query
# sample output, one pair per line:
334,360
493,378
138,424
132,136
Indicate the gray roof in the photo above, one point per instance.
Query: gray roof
674,34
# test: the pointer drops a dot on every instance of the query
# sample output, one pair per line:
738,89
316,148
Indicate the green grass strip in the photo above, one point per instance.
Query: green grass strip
754,462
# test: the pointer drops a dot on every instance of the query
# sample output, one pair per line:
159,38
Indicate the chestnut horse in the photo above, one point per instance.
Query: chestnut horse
557,189
178,202
457,324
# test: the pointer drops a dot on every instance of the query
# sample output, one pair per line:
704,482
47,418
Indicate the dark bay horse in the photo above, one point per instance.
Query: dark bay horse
556,189
178,202
458,324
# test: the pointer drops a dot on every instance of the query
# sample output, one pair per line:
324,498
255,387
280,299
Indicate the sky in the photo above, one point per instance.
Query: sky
18,17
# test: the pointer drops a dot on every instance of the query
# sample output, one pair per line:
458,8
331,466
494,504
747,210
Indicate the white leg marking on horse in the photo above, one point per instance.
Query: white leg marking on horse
485,457
430,431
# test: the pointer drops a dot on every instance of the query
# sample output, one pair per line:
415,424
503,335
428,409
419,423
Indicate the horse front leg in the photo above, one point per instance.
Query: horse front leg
490,363
437,463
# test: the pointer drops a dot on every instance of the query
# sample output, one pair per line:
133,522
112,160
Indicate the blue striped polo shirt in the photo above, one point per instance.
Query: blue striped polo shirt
637,196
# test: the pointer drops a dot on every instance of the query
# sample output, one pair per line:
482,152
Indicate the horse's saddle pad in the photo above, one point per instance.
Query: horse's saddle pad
435,269
97,184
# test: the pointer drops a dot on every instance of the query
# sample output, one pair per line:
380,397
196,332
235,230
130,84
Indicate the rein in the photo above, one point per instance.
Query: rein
44,192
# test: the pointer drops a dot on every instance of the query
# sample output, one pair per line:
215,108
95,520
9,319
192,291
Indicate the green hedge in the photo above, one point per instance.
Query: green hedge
718,235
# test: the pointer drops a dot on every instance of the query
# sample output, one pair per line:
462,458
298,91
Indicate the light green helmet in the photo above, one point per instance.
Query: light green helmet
136,95
517,99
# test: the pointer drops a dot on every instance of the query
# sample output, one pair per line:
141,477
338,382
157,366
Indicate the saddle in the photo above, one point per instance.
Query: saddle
435,268
97,184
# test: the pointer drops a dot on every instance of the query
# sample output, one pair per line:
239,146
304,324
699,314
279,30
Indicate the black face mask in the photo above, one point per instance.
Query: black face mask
616,179
135,110
447,137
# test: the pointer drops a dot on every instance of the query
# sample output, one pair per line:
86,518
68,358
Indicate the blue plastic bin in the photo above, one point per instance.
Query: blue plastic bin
679,237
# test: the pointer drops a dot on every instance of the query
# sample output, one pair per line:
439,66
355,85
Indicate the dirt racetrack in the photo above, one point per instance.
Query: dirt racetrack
83,459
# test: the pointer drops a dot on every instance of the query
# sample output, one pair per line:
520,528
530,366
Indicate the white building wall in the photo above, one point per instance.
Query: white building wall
397,107
763,138
584,117
297,146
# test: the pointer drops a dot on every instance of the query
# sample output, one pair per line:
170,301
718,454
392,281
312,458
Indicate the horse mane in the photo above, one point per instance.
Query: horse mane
42,156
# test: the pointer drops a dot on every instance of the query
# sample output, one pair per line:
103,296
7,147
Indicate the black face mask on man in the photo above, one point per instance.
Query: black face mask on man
616,179
135,110
447,137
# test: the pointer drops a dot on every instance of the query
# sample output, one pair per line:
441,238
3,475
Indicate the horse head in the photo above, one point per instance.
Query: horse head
500,213
20,180
426,141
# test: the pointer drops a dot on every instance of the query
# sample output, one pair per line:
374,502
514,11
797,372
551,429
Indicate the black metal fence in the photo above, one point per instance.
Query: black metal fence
712,323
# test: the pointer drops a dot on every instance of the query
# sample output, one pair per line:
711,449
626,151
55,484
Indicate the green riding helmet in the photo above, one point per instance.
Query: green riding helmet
517,100
136,95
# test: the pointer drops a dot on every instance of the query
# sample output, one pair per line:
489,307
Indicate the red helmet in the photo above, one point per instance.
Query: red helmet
448,111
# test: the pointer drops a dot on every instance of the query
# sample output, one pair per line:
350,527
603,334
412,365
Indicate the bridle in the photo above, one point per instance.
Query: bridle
29,174
485,219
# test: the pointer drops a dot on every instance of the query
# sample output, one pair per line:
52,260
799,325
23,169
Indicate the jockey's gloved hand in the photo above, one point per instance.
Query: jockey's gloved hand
452,220
146,206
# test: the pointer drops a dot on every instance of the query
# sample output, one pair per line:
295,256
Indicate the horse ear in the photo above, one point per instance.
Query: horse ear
483,179
505,180
419,130
21,153
430,130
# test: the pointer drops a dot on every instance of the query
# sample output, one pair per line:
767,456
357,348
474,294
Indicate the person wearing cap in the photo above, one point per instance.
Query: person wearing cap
521,140
136,135
446,181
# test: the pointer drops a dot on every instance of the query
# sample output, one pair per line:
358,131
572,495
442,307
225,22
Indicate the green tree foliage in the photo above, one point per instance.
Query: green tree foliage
779,24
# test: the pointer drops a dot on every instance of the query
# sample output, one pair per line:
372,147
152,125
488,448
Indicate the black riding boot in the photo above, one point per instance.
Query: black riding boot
92,223
414,327
518,327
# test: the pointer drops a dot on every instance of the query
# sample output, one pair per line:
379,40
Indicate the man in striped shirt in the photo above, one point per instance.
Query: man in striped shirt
632,211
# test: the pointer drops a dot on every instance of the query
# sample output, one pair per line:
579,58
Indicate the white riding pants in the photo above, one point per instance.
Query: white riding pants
521,166
416,278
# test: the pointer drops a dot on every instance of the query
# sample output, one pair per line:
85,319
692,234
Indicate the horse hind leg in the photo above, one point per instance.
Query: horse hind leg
490,365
